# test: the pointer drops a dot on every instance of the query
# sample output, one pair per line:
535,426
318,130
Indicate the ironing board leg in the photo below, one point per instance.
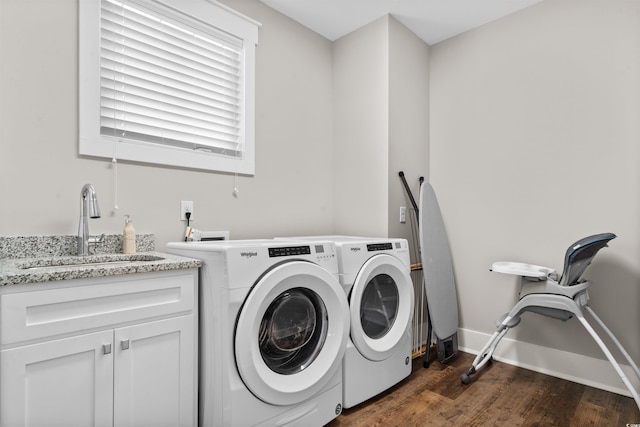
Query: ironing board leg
425,361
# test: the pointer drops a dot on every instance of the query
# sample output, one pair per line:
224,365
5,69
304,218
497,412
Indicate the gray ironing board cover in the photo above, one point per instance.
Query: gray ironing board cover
437,267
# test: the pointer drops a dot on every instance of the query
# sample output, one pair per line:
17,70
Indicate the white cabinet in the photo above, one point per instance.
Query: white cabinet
100,352
150,382
66,382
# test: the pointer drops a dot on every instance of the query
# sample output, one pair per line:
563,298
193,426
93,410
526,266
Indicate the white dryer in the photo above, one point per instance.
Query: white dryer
274,325
375,275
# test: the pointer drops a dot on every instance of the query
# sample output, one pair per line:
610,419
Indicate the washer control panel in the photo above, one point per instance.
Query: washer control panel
289,251
322,251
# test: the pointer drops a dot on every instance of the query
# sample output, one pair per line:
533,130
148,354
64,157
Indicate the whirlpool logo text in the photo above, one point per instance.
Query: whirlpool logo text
248,254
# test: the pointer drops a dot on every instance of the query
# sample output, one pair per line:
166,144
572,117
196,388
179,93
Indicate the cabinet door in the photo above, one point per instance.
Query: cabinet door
66,382
155,371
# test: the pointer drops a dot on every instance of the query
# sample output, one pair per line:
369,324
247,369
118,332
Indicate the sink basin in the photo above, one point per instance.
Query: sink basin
85,261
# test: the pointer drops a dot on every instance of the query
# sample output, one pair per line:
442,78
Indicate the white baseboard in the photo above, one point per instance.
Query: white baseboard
574,367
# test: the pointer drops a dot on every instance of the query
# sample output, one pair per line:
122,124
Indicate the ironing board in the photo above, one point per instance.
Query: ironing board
439,283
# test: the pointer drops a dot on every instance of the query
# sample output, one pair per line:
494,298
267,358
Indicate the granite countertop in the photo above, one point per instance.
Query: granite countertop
34,270
56,263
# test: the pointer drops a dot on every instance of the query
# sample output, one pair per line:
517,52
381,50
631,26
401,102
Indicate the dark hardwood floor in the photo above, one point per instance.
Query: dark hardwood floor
502,395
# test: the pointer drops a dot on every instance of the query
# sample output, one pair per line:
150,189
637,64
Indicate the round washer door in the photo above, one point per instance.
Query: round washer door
381,305
291,333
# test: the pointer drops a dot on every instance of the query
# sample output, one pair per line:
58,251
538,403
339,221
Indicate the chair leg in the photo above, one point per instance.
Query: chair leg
615,340
556,305
484,356
509,321
608,354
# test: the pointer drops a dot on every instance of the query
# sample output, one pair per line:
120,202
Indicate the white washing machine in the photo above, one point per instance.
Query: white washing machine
375,275
274,325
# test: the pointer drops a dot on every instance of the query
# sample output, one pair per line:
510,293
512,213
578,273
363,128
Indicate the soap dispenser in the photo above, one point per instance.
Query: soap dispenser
128,236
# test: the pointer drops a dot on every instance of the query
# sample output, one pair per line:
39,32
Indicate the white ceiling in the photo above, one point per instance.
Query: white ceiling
431,20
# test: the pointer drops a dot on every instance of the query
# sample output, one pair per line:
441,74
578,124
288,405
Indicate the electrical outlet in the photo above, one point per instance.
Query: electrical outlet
403,214
186,206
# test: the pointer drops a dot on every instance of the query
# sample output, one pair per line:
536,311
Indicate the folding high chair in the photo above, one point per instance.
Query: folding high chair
541,292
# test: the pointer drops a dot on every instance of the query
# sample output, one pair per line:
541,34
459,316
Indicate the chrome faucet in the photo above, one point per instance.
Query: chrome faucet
89,209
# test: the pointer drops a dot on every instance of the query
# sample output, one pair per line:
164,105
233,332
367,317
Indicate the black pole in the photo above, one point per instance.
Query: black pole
406,187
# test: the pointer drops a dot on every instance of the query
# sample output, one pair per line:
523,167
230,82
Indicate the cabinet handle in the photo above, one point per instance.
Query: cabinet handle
124,344
106,348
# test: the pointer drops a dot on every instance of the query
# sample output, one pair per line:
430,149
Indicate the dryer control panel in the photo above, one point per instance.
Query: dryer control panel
379,247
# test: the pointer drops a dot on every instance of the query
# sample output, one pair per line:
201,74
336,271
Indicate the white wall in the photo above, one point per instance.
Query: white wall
361,84
535,143
381,127
41,173
408,149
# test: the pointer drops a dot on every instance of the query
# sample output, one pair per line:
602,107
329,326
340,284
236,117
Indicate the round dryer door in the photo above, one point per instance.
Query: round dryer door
291,333
381,305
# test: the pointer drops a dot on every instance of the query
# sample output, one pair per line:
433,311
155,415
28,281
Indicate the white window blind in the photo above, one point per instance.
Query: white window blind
172,82
167,84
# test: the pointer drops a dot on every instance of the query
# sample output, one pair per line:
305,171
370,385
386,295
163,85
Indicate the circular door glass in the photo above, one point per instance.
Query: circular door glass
293,331
379,306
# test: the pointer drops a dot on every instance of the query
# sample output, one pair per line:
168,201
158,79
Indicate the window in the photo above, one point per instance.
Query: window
168,82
